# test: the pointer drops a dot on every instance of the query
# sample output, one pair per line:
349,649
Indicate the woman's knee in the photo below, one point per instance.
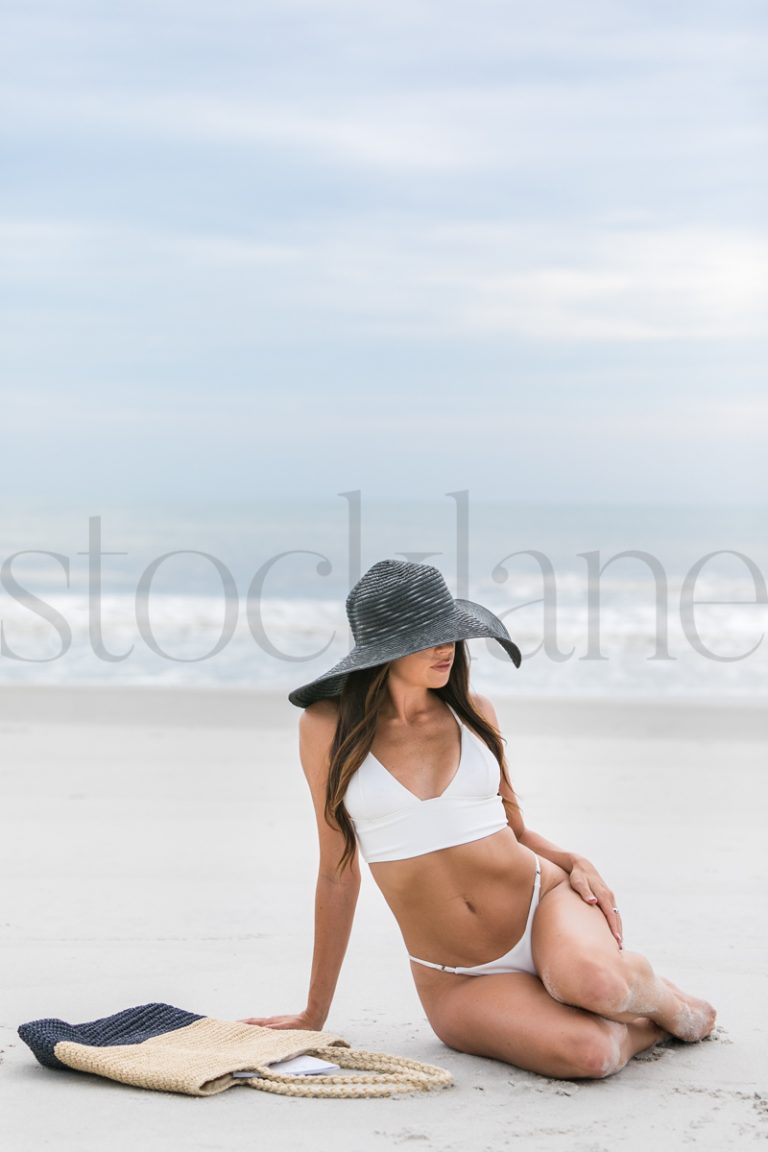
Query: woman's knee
595,1050
574,1045
597,985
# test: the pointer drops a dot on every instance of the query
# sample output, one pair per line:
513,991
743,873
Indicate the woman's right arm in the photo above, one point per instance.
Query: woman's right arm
336,892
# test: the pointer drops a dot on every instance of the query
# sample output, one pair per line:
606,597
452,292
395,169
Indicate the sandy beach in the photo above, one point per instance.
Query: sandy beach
159,845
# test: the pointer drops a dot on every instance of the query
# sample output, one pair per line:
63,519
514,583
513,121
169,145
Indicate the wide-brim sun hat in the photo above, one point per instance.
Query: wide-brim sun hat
398,608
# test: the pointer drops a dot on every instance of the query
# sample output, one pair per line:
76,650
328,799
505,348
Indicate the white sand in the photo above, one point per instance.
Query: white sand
160,845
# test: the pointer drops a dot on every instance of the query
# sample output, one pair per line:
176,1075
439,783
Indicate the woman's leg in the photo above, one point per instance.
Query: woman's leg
580,964
514,1019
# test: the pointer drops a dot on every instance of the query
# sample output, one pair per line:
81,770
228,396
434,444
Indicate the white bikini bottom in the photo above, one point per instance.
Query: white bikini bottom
518,959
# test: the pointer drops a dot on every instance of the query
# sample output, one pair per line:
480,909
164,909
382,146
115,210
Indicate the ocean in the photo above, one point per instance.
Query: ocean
604,600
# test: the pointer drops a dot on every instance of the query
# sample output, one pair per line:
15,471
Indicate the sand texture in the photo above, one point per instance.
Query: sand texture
159,845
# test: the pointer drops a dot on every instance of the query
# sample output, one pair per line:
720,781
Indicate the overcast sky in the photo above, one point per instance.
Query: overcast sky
407,247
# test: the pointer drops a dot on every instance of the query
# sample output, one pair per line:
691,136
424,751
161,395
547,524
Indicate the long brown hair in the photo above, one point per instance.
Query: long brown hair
360,703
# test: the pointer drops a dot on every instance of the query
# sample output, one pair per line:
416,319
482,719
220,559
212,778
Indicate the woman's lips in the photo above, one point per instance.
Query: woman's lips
445,664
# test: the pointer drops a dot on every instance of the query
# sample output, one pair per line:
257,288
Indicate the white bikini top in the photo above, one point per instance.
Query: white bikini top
391,823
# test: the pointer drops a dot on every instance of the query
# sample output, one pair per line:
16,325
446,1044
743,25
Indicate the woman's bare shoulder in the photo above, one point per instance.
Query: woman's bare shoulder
317,728
485,707
317,723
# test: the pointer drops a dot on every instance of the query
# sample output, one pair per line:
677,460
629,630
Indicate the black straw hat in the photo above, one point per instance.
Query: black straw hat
398,608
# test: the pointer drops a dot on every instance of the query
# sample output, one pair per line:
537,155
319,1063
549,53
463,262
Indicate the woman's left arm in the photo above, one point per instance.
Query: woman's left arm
584,877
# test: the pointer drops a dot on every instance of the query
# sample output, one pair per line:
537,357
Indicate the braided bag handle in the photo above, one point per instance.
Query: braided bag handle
384,1076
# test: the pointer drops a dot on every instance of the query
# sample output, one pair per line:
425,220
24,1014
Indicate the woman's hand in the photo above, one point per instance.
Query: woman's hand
302,1020
587,881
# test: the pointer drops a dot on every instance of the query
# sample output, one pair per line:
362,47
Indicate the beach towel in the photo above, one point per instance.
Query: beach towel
167,1049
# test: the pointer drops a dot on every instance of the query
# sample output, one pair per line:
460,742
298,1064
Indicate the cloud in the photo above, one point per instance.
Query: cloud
292,204
613,284
519,125
535,281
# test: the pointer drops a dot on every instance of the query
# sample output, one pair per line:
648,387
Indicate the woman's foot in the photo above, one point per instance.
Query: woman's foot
694,1018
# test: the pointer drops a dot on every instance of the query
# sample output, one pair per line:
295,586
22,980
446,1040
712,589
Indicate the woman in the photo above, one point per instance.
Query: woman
515,945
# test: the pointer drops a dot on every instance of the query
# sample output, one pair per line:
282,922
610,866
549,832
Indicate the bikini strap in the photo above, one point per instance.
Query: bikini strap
455,713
